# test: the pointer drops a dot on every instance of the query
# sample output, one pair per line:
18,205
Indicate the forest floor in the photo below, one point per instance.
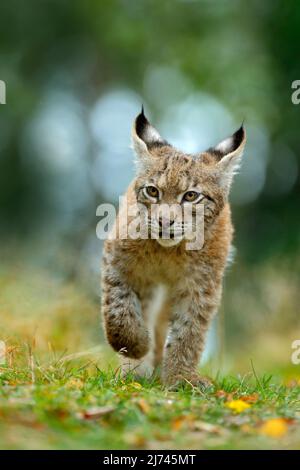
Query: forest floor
60,386
62,405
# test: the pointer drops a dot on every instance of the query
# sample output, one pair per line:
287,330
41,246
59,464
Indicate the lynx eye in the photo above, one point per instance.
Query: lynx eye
191,196
151,191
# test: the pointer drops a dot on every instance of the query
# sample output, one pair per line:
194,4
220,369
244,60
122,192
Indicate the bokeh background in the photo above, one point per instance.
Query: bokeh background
76,75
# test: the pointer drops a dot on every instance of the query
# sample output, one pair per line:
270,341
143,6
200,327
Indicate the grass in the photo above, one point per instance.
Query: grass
75,398
68,405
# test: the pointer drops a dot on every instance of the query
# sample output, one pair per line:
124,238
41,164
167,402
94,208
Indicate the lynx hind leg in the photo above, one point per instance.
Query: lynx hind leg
186,338
151,302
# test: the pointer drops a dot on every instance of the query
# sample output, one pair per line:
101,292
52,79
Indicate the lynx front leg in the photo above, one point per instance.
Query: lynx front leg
186,339
124,326
144,367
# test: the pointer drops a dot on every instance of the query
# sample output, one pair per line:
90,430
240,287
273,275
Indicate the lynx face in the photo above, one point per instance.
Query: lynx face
172,185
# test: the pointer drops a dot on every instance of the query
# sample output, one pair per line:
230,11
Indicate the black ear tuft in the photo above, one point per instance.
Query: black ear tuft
146,132
229,145
229,154
238,138
141,123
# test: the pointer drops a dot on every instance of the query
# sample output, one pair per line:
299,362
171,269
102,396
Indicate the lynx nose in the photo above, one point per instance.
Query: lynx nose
165,222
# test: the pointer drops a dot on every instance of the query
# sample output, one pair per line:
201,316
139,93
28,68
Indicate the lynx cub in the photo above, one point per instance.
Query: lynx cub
158,296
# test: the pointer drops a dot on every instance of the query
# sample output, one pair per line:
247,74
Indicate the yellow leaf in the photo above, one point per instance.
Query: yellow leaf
135,385
237,405
131,386
275,427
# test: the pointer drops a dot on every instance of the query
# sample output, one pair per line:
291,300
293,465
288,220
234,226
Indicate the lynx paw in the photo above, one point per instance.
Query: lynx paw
203,383
133,346
175,383
137,368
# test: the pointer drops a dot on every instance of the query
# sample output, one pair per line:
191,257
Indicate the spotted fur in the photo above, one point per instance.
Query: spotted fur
169,333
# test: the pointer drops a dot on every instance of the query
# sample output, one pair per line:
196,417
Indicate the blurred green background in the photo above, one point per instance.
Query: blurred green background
76,75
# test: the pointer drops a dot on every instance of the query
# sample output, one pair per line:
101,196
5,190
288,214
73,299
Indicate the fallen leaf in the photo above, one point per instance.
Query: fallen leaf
144,406
253,398
246,428
132,386
221,394
136,440
96,412
60,413
237,419
75,383
160,436
207,427
178,423
238,406
275,427
135,385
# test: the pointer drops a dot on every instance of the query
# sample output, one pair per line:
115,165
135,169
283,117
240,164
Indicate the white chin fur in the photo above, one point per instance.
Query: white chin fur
167,242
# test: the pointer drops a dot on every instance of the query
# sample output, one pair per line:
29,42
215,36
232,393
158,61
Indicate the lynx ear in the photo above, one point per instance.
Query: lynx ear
145,136
229,153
